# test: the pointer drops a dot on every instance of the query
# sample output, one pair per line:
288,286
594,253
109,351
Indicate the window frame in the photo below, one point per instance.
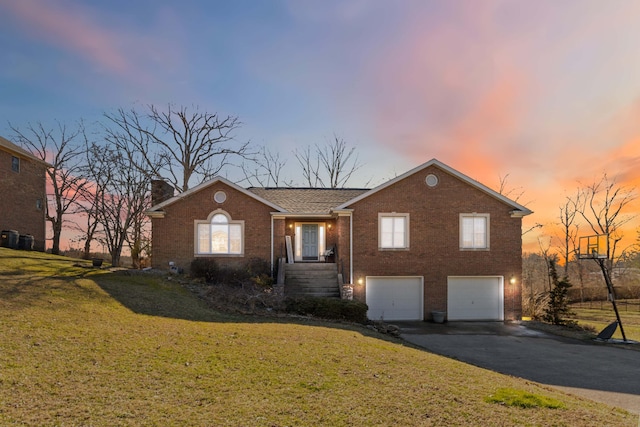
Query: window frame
487,231
322,239
406,223
231,225
15,164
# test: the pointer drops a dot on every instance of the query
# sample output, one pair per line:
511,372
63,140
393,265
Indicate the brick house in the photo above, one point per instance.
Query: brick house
429,240
23,190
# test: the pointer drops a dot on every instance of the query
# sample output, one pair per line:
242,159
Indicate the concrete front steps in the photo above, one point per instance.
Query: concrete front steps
311,279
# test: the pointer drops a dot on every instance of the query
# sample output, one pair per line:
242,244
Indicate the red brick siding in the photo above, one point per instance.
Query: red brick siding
343,256
279,231
20,192
434,251
173,235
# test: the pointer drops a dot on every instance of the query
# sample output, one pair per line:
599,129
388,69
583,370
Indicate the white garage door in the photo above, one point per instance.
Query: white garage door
395,298
475,298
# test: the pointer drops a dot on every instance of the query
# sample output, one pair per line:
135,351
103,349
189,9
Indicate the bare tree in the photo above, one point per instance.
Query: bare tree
533,227
265,169
182,146
87,208
122,196
570,229
535,275
603,208
62,149
545,252
514,193
310,166
139,236
328,166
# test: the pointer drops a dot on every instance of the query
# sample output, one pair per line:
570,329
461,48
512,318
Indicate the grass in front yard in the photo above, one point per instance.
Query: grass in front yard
523,399
599,319
90,347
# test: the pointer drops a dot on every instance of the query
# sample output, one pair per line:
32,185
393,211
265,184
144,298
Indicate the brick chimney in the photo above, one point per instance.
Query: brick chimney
161,190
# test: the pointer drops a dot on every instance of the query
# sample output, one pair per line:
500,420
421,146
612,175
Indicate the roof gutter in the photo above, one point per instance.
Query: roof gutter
304,215
519,213
155,214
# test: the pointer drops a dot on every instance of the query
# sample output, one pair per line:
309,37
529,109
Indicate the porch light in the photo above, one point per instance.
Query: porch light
360,281
329,226
290,226
513,280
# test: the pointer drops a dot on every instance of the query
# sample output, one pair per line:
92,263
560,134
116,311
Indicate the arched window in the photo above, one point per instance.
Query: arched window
220,236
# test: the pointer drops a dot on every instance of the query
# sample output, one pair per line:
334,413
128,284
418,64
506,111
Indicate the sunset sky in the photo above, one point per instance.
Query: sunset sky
546,92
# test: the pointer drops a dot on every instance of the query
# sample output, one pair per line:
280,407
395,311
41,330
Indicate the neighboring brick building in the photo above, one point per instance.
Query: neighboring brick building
22,192
429,240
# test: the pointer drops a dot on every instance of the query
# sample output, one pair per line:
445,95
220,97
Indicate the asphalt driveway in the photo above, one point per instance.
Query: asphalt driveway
596,371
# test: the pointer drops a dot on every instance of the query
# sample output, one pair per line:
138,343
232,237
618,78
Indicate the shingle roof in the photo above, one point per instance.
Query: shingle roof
308,200
17,150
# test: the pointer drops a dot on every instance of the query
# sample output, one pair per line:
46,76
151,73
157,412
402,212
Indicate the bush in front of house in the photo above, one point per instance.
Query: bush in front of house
558,303
248,287
328,308
244,288
255,270
205,268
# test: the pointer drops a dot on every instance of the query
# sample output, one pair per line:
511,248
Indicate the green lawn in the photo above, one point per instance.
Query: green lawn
600,318
86,347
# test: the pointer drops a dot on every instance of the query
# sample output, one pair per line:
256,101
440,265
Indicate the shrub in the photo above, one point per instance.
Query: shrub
205,268
255,271
263,280
328,308
558,305
258,267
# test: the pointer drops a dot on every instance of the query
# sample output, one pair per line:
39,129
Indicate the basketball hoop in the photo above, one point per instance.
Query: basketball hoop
593,247
596,247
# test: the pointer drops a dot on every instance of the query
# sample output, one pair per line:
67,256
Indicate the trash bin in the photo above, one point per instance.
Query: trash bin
9,239
25,242
439,316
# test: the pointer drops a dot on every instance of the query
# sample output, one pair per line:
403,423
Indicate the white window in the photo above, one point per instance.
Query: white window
219,236
393,231
474,231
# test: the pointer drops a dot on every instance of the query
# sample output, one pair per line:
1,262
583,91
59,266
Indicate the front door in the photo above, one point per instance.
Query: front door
310,242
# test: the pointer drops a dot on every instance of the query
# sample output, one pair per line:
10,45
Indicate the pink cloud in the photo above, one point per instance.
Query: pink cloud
72,28
449,88
492,99
137,57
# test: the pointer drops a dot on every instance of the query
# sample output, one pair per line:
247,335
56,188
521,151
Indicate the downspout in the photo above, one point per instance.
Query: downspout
351,247
271,260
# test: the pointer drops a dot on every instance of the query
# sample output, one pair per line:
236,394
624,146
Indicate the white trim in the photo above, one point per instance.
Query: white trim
487,236
220,197
432,180
230,221
382,215
322,239
434,162
209,183
351,246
